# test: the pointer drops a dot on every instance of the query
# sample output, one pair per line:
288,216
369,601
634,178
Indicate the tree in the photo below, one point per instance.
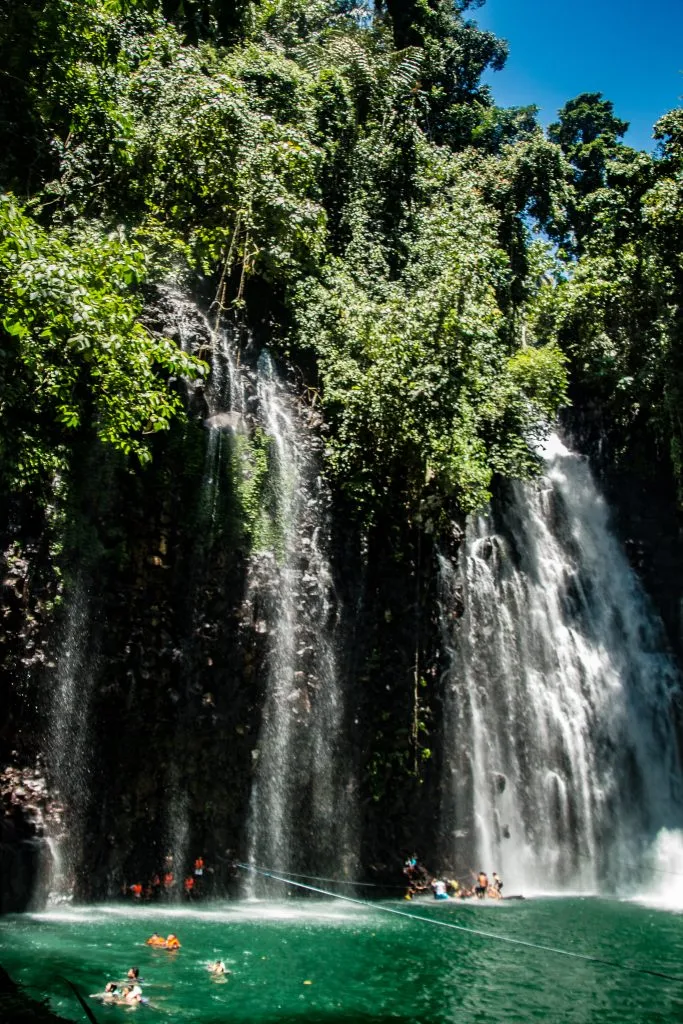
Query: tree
588,133
74,358
456,54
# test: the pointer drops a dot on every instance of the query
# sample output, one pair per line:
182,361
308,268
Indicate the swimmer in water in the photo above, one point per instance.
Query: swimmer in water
131,995
218,967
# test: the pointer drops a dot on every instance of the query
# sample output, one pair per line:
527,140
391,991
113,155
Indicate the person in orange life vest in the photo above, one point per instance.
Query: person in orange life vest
188,885
168,880
136,890
172,942
199,867
155,940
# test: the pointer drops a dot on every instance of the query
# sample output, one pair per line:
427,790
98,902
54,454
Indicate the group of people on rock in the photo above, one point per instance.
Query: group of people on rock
164,884
421,882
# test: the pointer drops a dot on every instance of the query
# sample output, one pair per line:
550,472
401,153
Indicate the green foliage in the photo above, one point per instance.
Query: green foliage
455,55
617,308
524,181
74,356
303,163
251,474
419,388
589,133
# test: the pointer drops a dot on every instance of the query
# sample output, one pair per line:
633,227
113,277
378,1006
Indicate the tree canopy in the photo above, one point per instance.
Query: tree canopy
340,173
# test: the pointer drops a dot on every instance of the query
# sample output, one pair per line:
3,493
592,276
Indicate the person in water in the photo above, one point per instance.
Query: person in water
155,940
130,994
126,994
172,942
497,886
218,967
133,974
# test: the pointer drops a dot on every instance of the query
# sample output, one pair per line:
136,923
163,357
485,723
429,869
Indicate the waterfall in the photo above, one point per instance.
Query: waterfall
301,813
223,399
561,763
177,833
67,747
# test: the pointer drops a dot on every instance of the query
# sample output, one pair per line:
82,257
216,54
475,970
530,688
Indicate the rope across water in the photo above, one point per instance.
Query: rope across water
614,964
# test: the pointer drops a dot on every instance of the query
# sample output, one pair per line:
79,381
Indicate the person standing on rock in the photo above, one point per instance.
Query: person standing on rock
481,888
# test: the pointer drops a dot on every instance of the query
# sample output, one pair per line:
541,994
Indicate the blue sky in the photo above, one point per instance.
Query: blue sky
630,52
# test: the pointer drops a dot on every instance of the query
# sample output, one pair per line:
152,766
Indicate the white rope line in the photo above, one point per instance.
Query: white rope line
462,928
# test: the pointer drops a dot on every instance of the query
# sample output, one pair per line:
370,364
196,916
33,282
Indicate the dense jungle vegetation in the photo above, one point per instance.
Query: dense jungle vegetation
338,179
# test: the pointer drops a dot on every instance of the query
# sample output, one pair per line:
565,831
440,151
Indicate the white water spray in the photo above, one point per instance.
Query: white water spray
301,808
663,872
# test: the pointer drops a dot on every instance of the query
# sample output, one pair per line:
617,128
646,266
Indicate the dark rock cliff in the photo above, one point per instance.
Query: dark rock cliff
172,652
170,689
637,480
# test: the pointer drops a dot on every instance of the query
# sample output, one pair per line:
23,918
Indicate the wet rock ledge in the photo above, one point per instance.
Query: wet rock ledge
18,1008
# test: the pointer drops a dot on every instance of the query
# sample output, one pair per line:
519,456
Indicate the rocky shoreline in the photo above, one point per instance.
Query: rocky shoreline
18,1008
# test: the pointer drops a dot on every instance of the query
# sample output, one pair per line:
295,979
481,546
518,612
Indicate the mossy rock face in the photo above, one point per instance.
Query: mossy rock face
18,1008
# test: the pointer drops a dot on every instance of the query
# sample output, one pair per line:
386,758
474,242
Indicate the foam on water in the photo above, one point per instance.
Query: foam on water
309,911
83,915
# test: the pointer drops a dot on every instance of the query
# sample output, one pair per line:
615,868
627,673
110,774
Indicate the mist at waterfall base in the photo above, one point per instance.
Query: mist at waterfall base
337,962
562,769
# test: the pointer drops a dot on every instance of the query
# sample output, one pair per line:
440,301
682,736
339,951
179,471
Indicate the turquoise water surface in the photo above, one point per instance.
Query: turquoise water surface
331,961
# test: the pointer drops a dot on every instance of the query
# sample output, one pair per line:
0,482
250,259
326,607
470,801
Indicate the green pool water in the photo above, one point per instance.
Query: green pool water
329,961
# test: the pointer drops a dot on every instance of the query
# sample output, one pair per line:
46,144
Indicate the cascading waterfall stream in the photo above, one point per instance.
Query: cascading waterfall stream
302,802
68,754
561,764
301,810
225,399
